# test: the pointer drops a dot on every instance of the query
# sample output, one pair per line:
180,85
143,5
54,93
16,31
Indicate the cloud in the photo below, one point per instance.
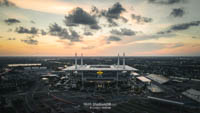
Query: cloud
152,36
124,19
62,33
114,12
43,32
177,45
30,40
123,31
95,26
195,37
164,32
55,29
7,3
113,38
74,35
88,33
112,23
94,11
141,19
88,47
23,30
11,38
32,30
179,12
166,2
11,21
180,27
147,46
79,16
33,22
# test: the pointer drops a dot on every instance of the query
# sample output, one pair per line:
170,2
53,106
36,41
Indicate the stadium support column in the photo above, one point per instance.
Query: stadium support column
76,61
81,59
118,62
123,60
82,77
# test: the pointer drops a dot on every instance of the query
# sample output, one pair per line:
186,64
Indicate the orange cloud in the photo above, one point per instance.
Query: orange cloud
51,6
189,49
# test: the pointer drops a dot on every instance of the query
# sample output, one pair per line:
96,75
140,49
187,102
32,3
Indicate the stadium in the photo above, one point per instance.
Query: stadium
100,77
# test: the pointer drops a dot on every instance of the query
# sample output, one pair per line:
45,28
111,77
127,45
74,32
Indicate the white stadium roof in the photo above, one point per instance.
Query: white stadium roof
100,67
135,74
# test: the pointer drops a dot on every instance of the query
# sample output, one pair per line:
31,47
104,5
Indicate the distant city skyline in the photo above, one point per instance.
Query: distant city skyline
99,27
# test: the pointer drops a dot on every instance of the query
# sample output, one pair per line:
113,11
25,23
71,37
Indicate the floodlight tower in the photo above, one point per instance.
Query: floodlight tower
118,61
76,61
82,76
81,59
123,60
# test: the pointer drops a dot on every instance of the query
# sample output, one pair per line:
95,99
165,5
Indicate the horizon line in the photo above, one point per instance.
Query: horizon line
105,56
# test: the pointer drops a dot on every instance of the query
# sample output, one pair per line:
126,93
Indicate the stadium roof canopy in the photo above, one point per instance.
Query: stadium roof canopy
100,67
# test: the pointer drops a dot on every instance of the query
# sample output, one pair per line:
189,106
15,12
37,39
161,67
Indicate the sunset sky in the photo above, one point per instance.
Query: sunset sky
99,27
